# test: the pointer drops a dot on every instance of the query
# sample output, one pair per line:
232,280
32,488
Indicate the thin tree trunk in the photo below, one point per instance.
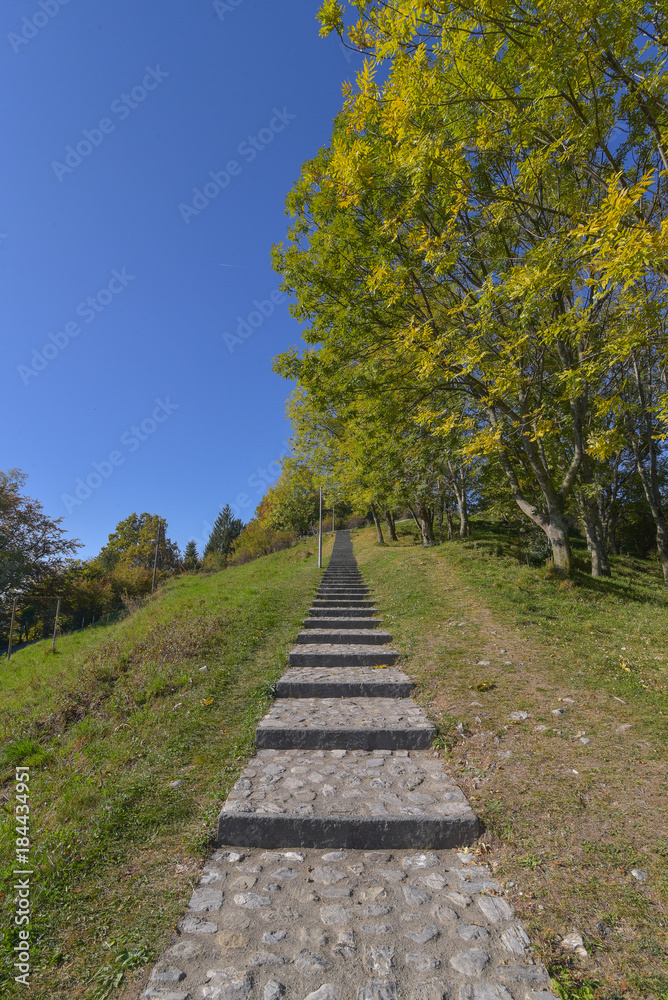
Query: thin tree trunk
426,523
415,518
390,526
600,564
649,476
458,480
649,480
440,521
376,521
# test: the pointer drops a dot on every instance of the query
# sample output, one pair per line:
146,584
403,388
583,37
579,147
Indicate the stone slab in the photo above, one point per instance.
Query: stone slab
320,602
339,612
348,588
344,682
345,724
349,925
342,622
366,636
347,798
342,655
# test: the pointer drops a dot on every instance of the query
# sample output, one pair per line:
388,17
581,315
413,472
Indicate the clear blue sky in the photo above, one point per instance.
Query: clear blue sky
115,304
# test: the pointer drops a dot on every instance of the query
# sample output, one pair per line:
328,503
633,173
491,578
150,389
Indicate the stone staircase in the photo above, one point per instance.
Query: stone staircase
344,765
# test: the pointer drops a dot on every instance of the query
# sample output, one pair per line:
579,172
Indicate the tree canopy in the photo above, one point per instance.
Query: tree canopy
480,258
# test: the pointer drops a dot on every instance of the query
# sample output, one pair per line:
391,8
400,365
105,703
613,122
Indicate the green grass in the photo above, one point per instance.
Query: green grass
484,634
106,725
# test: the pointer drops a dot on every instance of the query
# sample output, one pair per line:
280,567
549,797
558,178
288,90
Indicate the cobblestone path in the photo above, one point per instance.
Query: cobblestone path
337,875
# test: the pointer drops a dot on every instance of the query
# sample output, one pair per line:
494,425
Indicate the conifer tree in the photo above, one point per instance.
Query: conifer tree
190,558
226,530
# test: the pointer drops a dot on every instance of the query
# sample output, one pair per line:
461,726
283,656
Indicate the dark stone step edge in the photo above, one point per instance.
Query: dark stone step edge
354,833
344,689
344,739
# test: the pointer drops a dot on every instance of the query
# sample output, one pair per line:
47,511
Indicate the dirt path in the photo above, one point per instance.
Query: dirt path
573,795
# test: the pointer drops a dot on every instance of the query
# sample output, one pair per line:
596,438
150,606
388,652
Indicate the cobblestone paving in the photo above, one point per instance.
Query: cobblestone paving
330,682
339,612
342,713
347,622
347,635
316,654
347,925
347,782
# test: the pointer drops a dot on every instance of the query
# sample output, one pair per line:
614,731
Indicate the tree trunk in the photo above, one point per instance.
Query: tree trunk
552,521
464,529
458,480
600,564
415,518
556,530
610,529
426,523
390,526
376,521
650,483
440,521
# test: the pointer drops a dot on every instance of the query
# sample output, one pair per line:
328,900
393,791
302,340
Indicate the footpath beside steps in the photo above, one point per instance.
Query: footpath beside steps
339,873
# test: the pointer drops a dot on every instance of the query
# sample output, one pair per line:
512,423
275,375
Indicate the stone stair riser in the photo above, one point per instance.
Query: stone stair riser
345,623
334,636
339,612
307,657
364,834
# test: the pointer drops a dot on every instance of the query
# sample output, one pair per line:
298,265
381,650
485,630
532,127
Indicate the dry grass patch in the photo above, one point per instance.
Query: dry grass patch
573,796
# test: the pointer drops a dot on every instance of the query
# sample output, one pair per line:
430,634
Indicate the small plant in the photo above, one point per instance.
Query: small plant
110,977
572,986
25,751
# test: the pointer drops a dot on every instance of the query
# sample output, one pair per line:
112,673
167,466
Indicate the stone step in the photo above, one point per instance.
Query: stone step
345,724
322,602
343,595
322,622
339,612
366,924
347,799
326,592
344,682
343,655
344,635
327,589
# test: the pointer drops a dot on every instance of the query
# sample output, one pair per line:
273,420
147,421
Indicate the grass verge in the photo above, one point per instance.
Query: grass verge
134,734
573,796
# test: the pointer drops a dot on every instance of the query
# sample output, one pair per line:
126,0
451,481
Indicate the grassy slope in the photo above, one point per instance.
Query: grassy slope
567,821
107,724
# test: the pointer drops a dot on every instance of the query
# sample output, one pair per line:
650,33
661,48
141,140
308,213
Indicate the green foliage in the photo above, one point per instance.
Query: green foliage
226,529
191,560
479,259
133,544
